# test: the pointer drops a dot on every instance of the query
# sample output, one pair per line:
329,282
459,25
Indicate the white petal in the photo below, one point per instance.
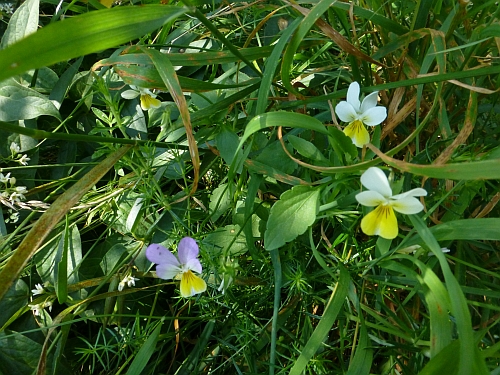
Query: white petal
369,101
370,198
194,265
148,92
167,271
353,95
374,179
418,192
374,116
130,94
408,205
346,112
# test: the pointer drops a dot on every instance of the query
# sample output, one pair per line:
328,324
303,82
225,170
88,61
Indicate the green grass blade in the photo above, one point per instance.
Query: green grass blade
470,360
332,309
145,352
83,34
363,357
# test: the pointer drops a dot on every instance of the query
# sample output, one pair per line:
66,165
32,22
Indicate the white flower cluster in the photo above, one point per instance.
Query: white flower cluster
16,150
38,308
11,194
127,280
7,8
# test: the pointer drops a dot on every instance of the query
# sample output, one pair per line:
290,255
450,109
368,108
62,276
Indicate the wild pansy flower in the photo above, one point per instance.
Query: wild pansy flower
358,114
181,268
382,220
148,99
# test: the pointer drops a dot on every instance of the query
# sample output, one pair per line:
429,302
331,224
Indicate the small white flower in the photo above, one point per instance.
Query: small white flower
382,220
38,289
358,114
5,179
14,148
37,309
226,281
148,98
127,280
21,189
24,160
16,197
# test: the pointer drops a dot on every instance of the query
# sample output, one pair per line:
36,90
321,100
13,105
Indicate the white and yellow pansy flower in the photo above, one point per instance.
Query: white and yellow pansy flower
358,114
382,220
148,98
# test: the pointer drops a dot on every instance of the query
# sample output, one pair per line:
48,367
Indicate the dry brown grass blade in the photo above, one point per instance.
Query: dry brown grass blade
42,228
399,117
470,120
334,35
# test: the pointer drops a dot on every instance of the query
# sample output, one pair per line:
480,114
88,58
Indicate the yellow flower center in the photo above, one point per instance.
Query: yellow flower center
381,221
358,133
191,284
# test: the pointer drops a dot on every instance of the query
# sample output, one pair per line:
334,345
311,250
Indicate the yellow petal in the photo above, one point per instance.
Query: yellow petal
381,221
192,284
148,102
358,133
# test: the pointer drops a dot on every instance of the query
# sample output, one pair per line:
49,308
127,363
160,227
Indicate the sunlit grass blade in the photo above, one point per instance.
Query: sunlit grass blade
169,76
83,34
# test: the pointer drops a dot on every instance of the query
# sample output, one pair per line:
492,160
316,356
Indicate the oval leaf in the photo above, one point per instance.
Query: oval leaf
291,216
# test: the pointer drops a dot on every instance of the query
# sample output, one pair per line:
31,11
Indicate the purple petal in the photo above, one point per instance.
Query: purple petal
159,254
187,250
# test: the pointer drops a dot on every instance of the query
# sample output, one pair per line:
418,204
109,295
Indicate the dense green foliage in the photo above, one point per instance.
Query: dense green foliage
146,123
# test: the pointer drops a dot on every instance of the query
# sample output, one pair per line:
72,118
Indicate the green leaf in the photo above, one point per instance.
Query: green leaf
80,35
307,149
21,103
47,259
274,119
23,22
221,200
14,300
228,239
291,216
